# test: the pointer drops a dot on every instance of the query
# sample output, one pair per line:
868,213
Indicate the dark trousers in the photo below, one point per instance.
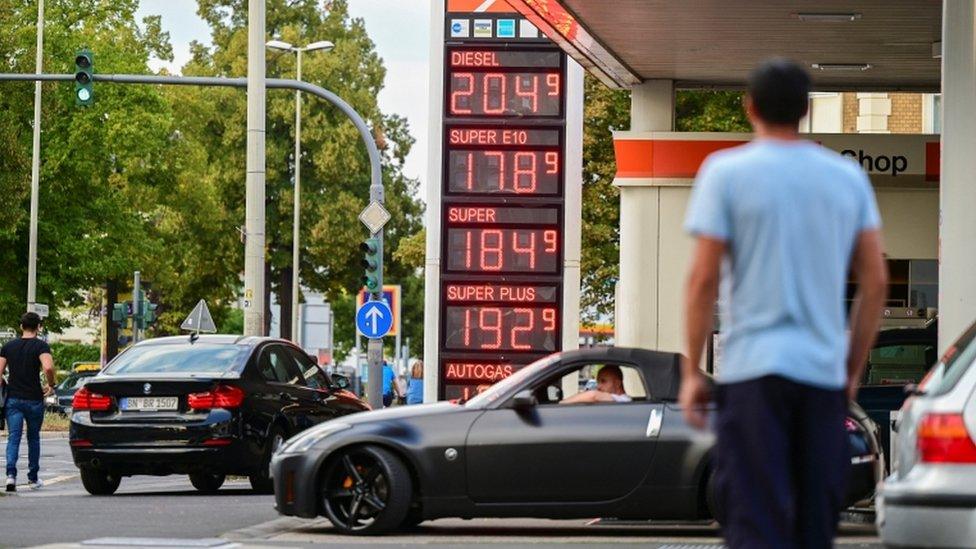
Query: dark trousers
782,461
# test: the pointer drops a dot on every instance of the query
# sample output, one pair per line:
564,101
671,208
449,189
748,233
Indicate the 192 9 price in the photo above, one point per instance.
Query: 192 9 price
502,250
501,328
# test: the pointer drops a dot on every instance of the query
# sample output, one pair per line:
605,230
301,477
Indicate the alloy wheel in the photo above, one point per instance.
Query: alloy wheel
357,490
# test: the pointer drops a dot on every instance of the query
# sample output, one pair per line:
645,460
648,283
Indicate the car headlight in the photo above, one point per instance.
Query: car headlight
306,440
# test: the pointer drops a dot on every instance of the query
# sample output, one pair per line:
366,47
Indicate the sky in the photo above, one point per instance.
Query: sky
399,28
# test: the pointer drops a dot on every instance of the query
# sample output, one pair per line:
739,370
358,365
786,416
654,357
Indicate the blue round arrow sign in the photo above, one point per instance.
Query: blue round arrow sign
374,319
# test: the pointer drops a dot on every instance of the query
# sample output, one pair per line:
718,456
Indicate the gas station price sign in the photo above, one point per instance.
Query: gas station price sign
502,219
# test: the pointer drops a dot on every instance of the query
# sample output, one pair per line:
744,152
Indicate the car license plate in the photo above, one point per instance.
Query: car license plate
148,404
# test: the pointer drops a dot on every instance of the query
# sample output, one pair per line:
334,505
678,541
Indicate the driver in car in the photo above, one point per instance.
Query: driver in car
609,388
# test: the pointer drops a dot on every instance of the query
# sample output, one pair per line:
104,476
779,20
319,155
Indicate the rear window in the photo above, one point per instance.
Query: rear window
955,362
182,358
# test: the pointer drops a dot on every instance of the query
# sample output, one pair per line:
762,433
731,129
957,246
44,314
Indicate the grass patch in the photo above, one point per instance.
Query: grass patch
55,423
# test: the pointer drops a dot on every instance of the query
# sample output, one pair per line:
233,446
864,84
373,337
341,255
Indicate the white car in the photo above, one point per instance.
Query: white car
930,498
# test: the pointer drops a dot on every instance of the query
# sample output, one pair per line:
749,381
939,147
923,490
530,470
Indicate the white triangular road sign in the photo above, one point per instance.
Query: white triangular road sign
200,320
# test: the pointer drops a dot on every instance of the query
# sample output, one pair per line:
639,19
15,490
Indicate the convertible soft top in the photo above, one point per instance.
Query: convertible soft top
661,370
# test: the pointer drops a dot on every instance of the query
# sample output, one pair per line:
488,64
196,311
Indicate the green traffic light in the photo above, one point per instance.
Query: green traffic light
84,69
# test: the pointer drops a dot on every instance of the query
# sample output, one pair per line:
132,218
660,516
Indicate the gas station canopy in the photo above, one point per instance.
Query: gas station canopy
848,46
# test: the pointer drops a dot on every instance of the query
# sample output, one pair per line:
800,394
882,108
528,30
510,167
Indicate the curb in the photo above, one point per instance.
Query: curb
270,529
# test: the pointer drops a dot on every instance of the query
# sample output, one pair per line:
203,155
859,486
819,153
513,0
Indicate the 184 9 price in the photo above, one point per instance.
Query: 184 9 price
502,250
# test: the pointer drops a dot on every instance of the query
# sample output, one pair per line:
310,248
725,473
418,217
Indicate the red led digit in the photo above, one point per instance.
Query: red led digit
519,329
491,250
530,251
501,167
549,237
552,162
532,93
495,326
470,171
486,82
552,81
549,317
469,78
523,172
467,249
467,327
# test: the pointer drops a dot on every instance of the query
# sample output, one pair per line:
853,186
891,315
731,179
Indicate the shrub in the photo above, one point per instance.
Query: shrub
66,354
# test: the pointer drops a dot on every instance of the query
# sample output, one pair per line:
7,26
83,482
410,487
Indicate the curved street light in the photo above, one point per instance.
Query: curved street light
323,45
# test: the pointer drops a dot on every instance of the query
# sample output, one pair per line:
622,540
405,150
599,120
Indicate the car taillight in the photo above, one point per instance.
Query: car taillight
87,400
943,438
222,396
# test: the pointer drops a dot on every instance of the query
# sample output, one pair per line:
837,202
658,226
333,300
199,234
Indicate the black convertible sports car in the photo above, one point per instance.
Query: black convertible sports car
207,407
515,451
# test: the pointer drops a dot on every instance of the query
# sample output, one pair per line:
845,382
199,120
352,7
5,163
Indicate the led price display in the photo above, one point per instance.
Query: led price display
501,212
503,250
496,171
502,328
477,93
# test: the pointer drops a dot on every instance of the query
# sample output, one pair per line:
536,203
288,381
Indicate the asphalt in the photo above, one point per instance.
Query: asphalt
149,507
169,512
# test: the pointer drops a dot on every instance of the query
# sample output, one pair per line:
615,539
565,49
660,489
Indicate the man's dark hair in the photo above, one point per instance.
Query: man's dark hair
30,321
613,370
779,89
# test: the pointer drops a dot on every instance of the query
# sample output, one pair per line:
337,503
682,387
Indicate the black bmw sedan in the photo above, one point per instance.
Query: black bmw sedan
520,449
206,406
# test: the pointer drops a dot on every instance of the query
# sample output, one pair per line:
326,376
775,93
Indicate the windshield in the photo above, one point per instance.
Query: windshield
492,393
955,362
74,382
179,358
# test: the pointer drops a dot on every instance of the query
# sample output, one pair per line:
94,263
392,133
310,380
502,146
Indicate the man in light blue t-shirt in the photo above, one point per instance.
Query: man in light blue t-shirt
779,223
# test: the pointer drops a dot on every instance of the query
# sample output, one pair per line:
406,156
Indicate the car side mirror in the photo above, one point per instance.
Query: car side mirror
912,390
524,400
341,380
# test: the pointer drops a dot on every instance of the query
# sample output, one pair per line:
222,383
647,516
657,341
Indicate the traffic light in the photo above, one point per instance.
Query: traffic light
373,263
84,68
148,315
120,315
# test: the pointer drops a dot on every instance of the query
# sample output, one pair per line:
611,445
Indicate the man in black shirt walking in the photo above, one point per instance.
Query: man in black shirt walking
25,357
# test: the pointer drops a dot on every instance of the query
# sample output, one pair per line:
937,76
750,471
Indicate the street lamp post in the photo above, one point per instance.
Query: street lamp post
296,225
35,167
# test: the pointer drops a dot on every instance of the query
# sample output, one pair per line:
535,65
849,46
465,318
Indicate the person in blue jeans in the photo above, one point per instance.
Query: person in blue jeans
25,357
415,385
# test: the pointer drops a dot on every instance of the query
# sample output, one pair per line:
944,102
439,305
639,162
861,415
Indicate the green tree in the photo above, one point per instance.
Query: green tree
335,166
102,168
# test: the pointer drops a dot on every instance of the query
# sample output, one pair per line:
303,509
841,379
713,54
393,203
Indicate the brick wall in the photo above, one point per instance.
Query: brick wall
906,113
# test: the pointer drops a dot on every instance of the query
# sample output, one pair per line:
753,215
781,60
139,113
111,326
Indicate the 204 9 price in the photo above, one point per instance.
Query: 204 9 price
505,93
503,250
501,328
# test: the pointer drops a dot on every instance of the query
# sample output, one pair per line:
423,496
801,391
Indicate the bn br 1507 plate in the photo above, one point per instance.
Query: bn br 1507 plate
148,404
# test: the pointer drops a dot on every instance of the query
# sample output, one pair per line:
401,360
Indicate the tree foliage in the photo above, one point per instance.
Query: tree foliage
152,178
